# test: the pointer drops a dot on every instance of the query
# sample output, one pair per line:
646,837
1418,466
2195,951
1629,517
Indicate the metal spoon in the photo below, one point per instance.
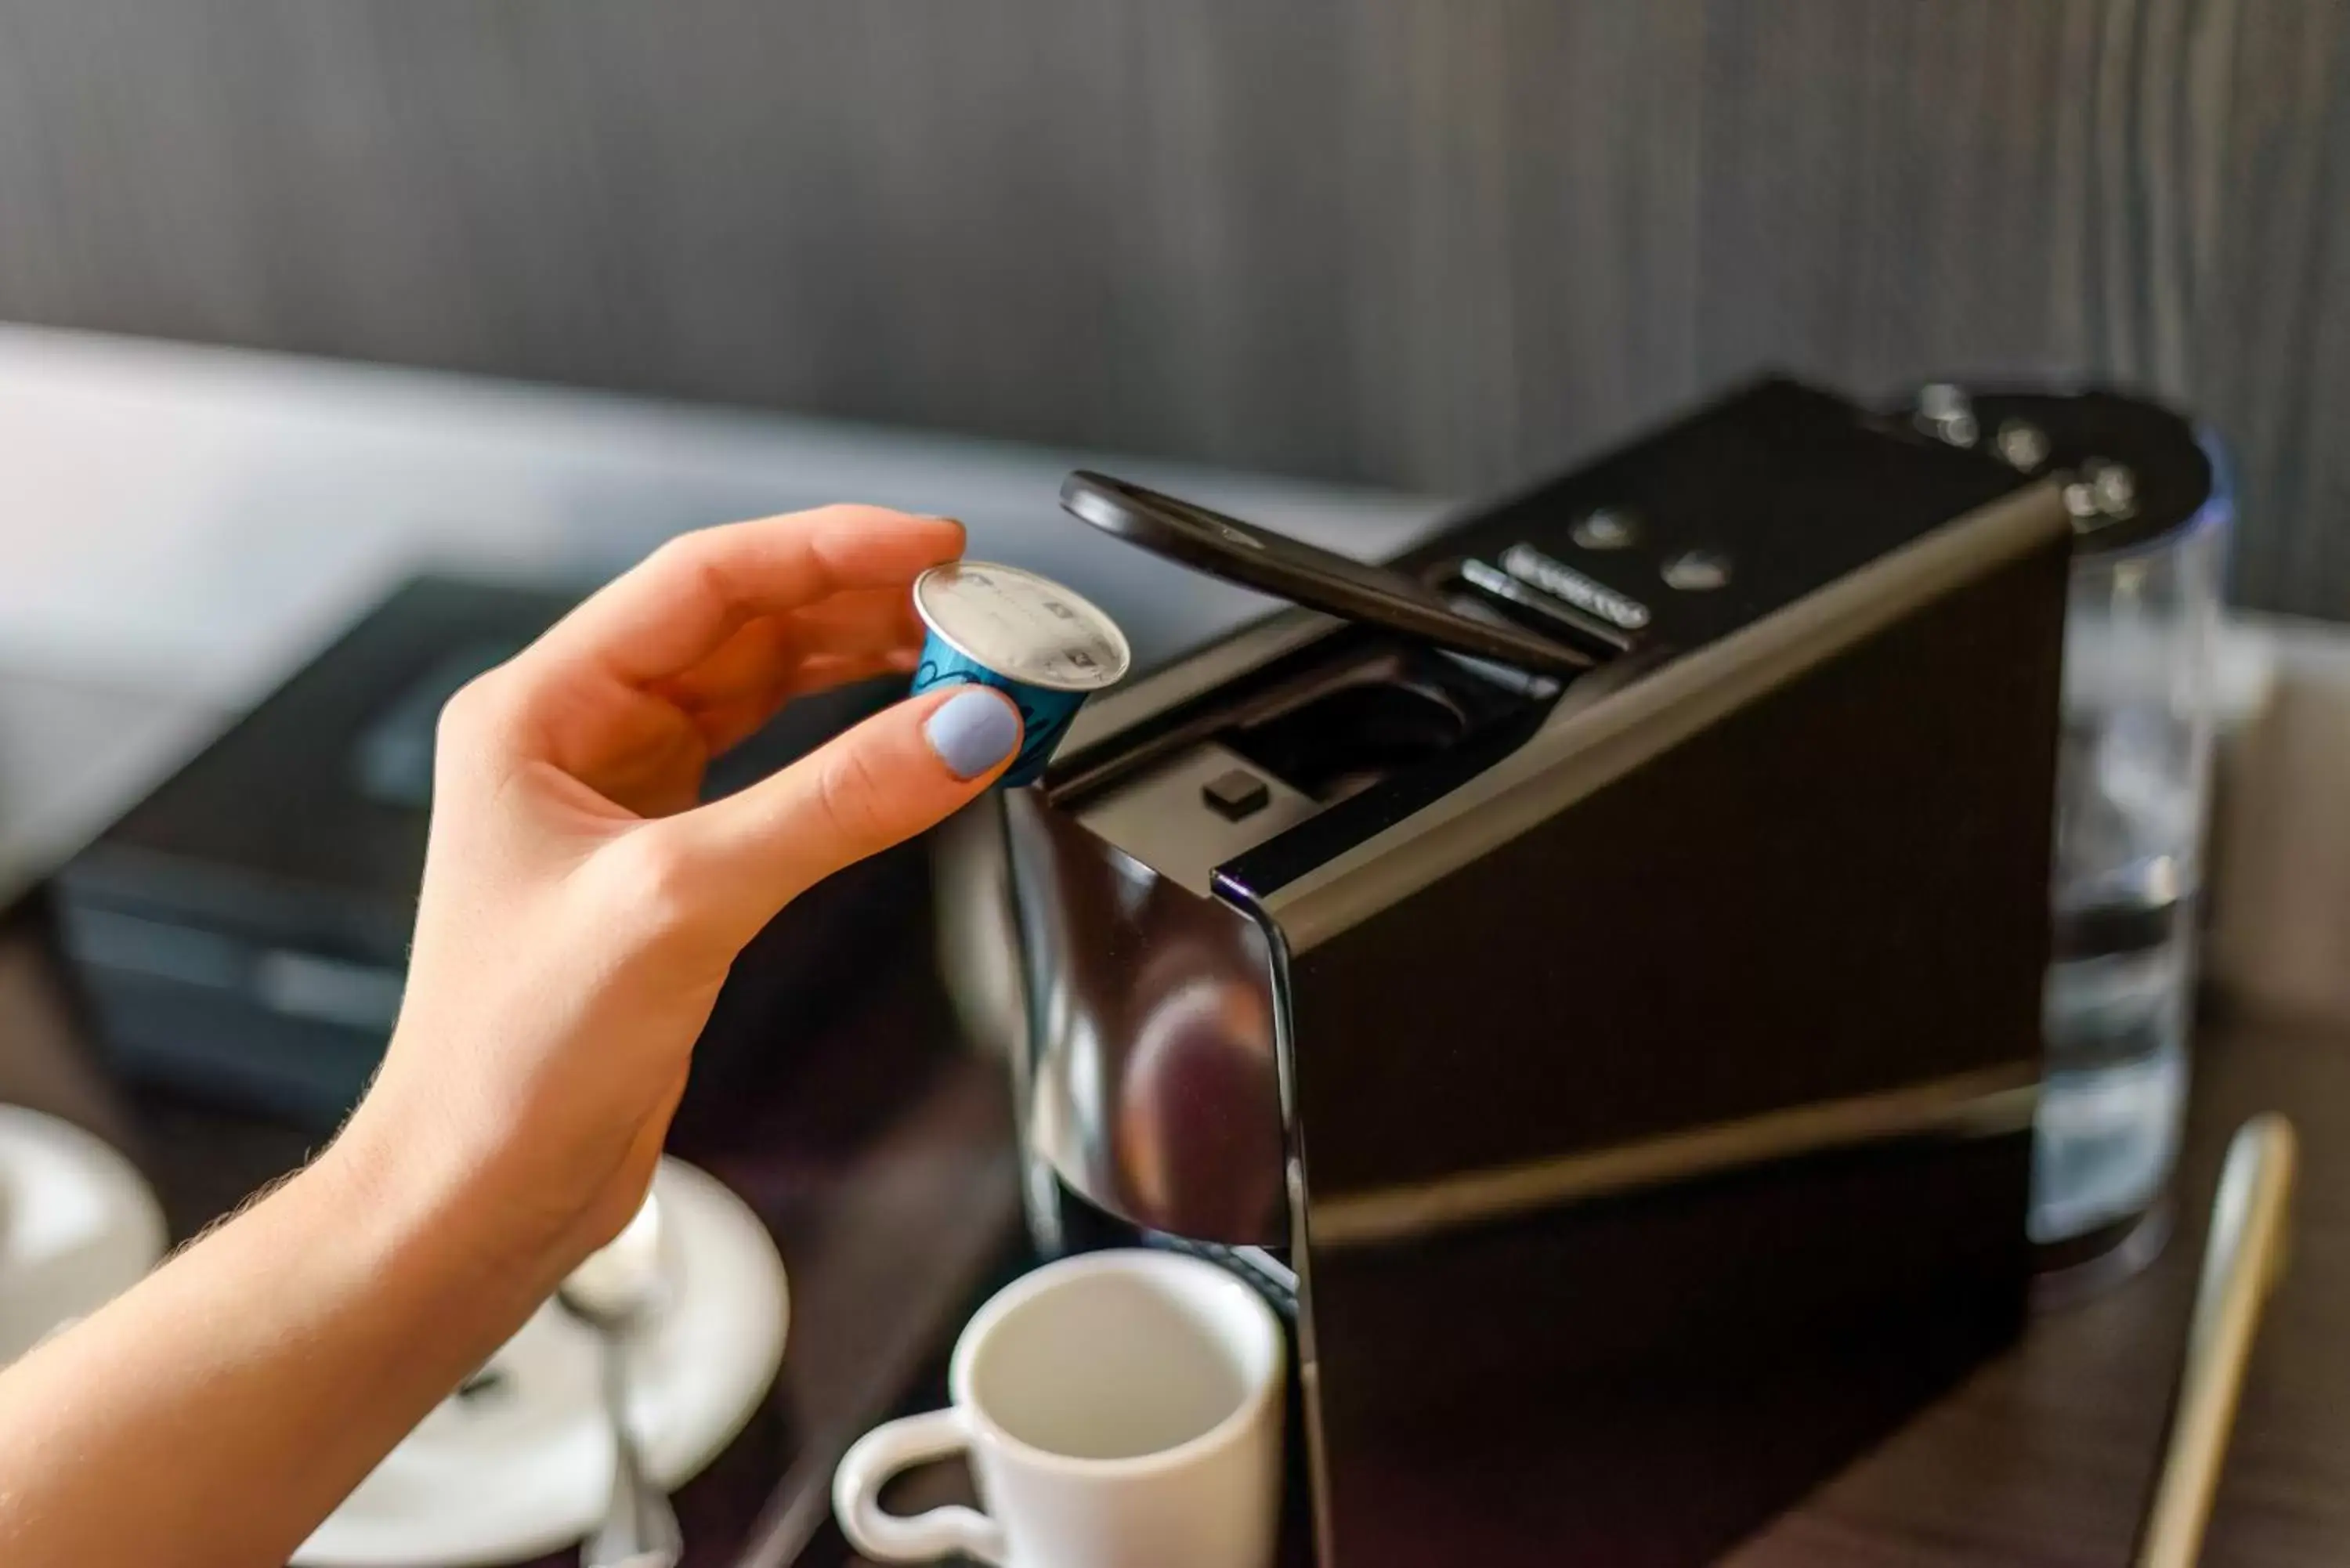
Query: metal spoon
2242,1263
616,1292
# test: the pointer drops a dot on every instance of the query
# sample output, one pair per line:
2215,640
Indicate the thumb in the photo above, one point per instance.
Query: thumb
892,776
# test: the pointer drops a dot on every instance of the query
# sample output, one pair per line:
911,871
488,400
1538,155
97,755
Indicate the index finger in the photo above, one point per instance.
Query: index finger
686,598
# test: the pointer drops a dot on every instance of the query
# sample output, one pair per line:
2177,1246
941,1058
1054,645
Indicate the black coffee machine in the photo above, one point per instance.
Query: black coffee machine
1587,973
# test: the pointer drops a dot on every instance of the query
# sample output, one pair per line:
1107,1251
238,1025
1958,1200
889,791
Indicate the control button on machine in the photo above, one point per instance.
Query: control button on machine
1236,793
1698,571
1607,528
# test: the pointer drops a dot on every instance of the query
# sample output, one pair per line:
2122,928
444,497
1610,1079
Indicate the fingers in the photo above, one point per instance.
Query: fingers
881,783
688,598
770,654
727,723
859,621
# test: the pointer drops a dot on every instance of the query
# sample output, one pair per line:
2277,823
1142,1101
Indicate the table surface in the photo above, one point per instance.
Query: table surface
2044,1459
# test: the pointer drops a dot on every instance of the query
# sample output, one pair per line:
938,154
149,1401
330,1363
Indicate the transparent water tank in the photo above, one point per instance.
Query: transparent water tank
2152,512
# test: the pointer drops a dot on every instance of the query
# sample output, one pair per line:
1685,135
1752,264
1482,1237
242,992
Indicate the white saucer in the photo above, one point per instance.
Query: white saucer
79,1226
523,1466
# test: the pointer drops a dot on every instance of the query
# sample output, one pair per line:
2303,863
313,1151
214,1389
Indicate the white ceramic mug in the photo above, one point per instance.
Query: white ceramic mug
1120,1409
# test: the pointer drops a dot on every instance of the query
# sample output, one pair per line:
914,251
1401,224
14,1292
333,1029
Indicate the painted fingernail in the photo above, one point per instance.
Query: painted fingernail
973,730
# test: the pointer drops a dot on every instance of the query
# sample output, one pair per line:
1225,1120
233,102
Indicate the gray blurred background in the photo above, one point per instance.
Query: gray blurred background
1435,245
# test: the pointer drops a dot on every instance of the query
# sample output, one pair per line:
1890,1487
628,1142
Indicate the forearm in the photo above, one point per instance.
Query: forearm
217,1412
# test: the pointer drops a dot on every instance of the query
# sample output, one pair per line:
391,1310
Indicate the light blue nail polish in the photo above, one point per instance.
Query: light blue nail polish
973,730
1025,636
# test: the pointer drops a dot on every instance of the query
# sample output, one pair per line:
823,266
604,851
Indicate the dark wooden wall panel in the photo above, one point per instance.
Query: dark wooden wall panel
1431,242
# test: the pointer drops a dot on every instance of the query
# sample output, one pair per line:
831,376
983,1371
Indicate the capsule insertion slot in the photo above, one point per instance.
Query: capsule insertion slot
1544,609
1328,720
1358,728
1323,725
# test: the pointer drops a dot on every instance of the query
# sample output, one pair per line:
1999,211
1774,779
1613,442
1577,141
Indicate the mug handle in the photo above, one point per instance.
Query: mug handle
881,1454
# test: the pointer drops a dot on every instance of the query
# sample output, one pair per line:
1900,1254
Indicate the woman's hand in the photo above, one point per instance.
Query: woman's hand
579,912
580,909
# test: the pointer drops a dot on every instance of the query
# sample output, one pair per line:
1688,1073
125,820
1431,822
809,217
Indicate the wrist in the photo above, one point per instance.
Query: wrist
436,1214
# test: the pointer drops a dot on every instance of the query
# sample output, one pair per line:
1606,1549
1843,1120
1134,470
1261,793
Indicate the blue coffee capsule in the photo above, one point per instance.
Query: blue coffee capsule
1044,647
